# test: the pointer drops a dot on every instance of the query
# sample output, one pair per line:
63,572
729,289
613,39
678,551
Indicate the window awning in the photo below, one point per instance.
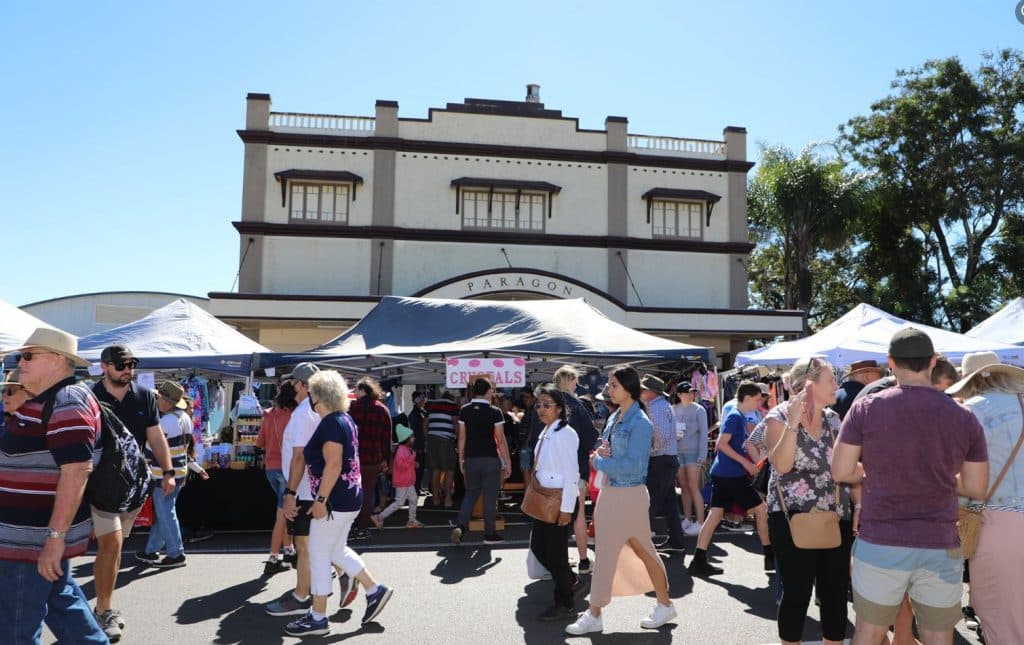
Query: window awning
506,185
294,174
682,194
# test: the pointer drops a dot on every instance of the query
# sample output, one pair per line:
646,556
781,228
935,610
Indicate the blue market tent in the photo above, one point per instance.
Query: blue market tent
417,335
178,336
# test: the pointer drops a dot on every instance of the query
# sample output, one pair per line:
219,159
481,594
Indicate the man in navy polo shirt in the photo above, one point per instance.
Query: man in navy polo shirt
136,408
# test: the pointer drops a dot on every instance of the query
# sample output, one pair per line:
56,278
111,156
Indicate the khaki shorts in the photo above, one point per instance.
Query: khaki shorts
933,578
104,522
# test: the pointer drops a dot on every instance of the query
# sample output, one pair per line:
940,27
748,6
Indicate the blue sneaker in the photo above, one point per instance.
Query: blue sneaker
375,602
288,605
308,626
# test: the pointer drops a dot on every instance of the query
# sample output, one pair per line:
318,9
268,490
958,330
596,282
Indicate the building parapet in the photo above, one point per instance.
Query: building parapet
333,123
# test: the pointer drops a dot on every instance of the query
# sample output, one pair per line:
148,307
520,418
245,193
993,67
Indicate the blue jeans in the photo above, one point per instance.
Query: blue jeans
28,600
165,534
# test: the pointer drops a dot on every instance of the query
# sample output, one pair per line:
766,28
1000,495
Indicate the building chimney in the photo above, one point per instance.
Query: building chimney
533,93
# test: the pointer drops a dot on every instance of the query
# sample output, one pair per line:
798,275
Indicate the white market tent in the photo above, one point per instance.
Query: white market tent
178,336
1004,326
414,336
16,326
863,333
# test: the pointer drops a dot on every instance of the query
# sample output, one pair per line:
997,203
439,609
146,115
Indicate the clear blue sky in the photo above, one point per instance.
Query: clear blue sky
120,166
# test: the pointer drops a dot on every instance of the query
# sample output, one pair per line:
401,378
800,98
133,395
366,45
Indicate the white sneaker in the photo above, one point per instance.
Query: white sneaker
685,524
694,529
660,615
587,623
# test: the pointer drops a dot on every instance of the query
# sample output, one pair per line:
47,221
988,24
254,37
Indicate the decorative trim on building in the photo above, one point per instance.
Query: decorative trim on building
507,184
309,140
489,237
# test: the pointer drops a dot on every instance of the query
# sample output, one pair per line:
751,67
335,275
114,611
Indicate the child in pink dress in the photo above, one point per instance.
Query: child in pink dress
403,478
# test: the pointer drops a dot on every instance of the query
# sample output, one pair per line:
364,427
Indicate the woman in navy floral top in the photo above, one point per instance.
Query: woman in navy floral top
332,459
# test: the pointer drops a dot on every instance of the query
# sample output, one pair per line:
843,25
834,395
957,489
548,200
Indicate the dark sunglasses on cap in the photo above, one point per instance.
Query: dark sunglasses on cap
121,365
29,355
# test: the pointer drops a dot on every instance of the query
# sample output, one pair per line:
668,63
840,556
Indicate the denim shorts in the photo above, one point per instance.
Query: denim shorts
689,458
278,483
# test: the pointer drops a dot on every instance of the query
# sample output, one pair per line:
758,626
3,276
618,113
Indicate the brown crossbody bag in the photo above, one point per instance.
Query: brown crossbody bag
814,529
540,502
968,525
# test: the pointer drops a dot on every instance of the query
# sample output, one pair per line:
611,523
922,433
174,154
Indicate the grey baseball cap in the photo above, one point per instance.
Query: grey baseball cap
303,371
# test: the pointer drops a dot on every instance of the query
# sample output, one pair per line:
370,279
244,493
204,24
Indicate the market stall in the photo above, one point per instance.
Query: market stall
16,326
211,360
1004,326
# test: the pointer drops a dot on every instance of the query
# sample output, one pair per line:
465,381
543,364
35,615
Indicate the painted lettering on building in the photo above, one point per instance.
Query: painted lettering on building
519,282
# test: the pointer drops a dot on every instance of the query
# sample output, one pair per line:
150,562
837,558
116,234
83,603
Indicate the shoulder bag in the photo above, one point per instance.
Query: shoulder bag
814,529
540,502
968,524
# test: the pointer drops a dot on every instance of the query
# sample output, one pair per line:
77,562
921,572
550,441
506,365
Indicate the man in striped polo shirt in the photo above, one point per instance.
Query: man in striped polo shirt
165,534
44,467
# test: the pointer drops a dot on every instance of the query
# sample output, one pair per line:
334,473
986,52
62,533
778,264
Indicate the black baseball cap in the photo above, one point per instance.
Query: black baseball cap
116,354
911,343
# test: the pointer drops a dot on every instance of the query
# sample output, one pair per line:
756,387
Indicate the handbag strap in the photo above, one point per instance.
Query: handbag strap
540,444
1013,455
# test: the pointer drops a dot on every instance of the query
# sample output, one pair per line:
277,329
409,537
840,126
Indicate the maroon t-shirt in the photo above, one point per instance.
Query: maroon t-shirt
913,441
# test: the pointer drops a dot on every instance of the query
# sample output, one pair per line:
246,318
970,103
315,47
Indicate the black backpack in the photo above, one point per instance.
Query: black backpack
120,481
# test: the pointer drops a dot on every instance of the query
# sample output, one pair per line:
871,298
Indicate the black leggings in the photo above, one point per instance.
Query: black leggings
803,569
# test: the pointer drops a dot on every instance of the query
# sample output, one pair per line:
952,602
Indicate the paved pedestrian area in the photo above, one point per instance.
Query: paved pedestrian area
443,594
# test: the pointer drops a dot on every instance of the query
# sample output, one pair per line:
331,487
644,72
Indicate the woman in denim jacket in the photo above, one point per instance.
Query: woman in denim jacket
626,563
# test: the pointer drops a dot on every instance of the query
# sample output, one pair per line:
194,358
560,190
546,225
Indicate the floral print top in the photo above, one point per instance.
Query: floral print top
809,485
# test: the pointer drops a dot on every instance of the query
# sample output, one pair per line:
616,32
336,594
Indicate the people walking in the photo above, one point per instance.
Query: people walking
664,464
272,426
403,478
333,465
557,467
373,419
994,392
800,435
907,540
626,562
483,459
567,378
730,482
691,426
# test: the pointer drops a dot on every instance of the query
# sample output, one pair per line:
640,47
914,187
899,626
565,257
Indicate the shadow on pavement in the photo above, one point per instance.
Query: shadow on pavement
461,562
221,603
129,572
760,602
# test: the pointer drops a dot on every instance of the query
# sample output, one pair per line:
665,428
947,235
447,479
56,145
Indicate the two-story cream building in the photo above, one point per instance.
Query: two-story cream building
490,199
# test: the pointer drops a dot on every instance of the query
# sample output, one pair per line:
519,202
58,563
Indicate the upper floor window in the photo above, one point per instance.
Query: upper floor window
326,203
318,196
503,204
677,219
503,210
679,212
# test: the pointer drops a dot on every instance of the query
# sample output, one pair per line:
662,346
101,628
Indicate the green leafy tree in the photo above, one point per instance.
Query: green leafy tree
947,148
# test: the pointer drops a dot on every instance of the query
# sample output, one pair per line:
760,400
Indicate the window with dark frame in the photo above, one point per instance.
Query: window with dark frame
677,219
319,203
503,210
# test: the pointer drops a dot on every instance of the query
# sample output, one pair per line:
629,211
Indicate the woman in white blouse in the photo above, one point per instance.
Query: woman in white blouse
557,467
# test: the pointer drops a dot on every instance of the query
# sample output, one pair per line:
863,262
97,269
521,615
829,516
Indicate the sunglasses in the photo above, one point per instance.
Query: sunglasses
119,365
28,356
12,390
545,405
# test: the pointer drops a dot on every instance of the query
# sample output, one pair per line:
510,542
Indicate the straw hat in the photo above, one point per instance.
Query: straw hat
984,364
10,378
57,341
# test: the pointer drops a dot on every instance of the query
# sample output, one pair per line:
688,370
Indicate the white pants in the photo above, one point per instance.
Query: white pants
403,495
327,545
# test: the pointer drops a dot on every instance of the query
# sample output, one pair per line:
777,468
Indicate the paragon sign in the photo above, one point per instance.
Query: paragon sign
518,282
502,372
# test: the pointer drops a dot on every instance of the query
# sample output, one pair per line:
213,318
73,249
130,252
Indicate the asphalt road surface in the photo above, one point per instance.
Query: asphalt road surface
444,594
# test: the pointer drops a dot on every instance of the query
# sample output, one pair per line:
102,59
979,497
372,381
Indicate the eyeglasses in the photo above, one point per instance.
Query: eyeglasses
119,365
12,390
28,356
545,405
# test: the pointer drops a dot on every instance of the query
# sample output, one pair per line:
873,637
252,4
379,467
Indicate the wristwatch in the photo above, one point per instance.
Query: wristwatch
321,499
288,492
54,534
169,472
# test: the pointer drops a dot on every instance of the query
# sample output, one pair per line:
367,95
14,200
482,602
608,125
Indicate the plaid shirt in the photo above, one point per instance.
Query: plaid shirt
373,423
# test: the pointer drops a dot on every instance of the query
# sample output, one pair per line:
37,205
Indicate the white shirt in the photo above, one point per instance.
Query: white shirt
557,466
297,433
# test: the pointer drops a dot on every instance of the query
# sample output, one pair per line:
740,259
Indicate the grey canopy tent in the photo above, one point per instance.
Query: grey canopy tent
411,338
178,336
